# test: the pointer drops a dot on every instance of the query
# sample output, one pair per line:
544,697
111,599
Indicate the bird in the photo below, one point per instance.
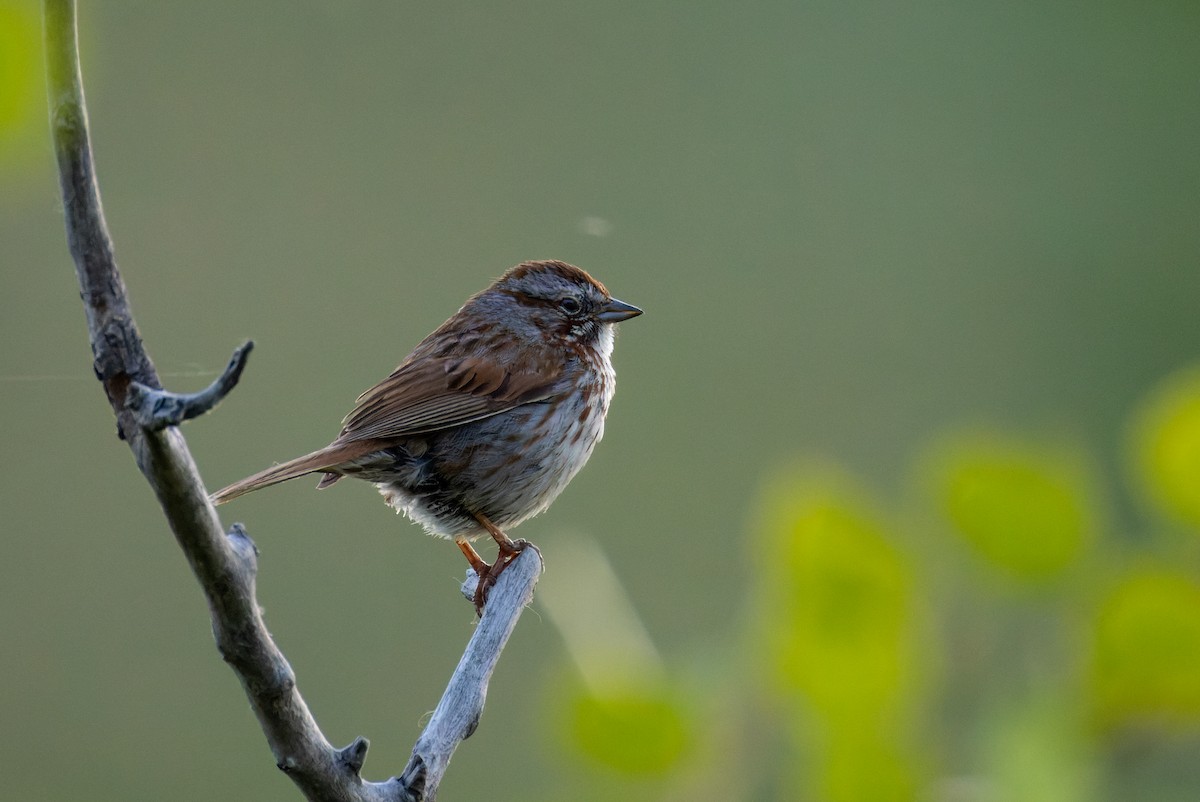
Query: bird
489,418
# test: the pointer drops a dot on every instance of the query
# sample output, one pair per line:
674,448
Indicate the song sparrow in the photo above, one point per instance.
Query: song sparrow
489,417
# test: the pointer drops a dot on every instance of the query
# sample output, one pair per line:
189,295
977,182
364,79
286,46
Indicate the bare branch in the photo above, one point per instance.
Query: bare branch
226,565
457,714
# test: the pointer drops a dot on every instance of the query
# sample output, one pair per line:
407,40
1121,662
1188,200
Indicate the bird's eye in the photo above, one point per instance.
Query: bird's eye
570,305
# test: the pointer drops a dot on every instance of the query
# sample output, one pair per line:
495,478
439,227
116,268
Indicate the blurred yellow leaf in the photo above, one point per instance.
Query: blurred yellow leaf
835,612
1147,650
1021,508
640,731
836,597
1167,444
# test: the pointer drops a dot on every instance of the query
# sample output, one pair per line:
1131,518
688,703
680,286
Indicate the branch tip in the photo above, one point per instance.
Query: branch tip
354,755
470,582
157,409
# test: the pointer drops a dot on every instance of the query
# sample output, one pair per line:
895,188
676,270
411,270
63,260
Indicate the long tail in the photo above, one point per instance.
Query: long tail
329,457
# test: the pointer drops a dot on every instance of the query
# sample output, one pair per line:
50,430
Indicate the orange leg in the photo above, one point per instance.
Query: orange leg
480,568
487,577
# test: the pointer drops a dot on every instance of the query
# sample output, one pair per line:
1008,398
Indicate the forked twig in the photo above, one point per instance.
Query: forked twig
226,565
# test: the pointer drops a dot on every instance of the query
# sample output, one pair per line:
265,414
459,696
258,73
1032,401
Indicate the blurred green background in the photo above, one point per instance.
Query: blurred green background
899,497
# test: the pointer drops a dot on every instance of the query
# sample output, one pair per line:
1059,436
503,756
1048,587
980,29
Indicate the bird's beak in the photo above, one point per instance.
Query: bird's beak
615,311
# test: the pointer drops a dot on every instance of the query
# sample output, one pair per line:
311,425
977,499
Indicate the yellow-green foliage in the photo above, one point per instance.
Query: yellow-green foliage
1167,445
838,598
869,676
836,621
633,730
1147,650
1022,508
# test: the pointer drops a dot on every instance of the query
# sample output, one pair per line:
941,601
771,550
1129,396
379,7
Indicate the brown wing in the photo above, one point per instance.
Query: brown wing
423,395
427,394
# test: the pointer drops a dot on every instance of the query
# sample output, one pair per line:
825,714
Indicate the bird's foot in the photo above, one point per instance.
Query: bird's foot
509,549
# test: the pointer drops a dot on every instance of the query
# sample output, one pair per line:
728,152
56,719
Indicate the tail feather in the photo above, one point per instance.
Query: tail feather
316,462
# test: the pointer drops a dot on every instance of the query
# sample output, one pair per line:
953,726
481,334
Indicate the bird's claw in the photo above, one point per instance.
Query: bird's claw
508,553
